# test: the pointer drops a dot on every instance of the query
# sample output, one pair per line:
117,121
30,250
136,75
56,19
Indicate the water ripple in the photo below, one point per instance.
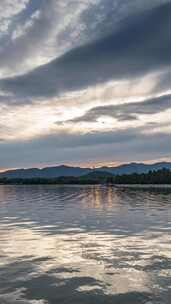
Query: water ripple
84,244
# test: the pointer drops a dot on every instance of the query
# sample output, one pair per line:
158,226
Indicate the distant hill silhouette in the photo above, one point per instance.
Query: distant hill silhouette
49,172
53,172
136,168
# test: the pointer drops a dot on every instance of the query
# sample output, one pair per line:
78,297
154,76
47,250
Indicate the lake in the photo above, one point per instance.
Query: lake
84,245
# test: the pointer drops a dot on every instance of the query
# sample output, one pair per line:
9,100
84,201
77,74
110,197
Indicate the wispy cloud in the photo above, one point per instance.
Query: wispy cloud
128,111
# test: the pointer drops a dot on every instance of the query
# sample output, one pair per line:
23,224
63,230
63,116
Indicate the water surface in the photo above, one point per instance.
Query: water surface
84,245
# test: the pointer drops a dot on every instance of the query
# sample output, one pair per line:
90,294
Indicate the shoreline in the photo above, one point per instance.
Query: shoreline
117,186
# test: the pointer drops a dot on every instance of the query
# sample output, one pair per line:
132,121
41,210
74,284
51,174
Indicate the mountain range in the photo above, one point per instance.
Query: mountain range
57,171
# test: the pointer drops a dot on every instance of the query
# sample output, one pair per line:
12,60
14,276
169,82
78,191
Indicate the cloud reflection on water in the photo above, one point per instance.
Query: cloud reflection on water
80,242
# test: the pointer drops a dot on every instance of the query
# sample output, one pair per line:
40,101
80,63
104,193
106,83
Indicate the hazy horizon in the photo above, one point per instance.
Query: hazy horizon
89,165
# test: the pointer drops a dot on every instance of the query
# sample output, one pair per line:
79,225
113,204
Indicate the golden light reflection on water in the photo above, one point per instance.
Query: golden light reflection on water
97,195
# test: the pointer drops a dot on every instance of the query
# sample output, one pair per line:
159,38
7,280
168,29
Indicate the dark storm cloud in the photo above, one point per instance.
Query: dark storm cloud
128,111
142,45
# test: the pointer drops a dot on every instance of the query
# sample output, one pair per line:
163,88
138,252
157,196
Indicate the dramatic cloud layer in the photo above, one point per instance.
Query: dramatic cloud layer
128,111
79,74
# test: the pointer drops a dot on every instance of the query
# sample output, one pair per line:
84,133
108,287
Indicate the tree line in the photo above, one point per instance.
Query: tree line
162,176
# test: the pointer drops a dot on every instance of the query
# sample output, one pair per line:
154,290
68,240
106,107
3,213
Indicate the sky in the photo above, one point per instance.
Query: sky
84,82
